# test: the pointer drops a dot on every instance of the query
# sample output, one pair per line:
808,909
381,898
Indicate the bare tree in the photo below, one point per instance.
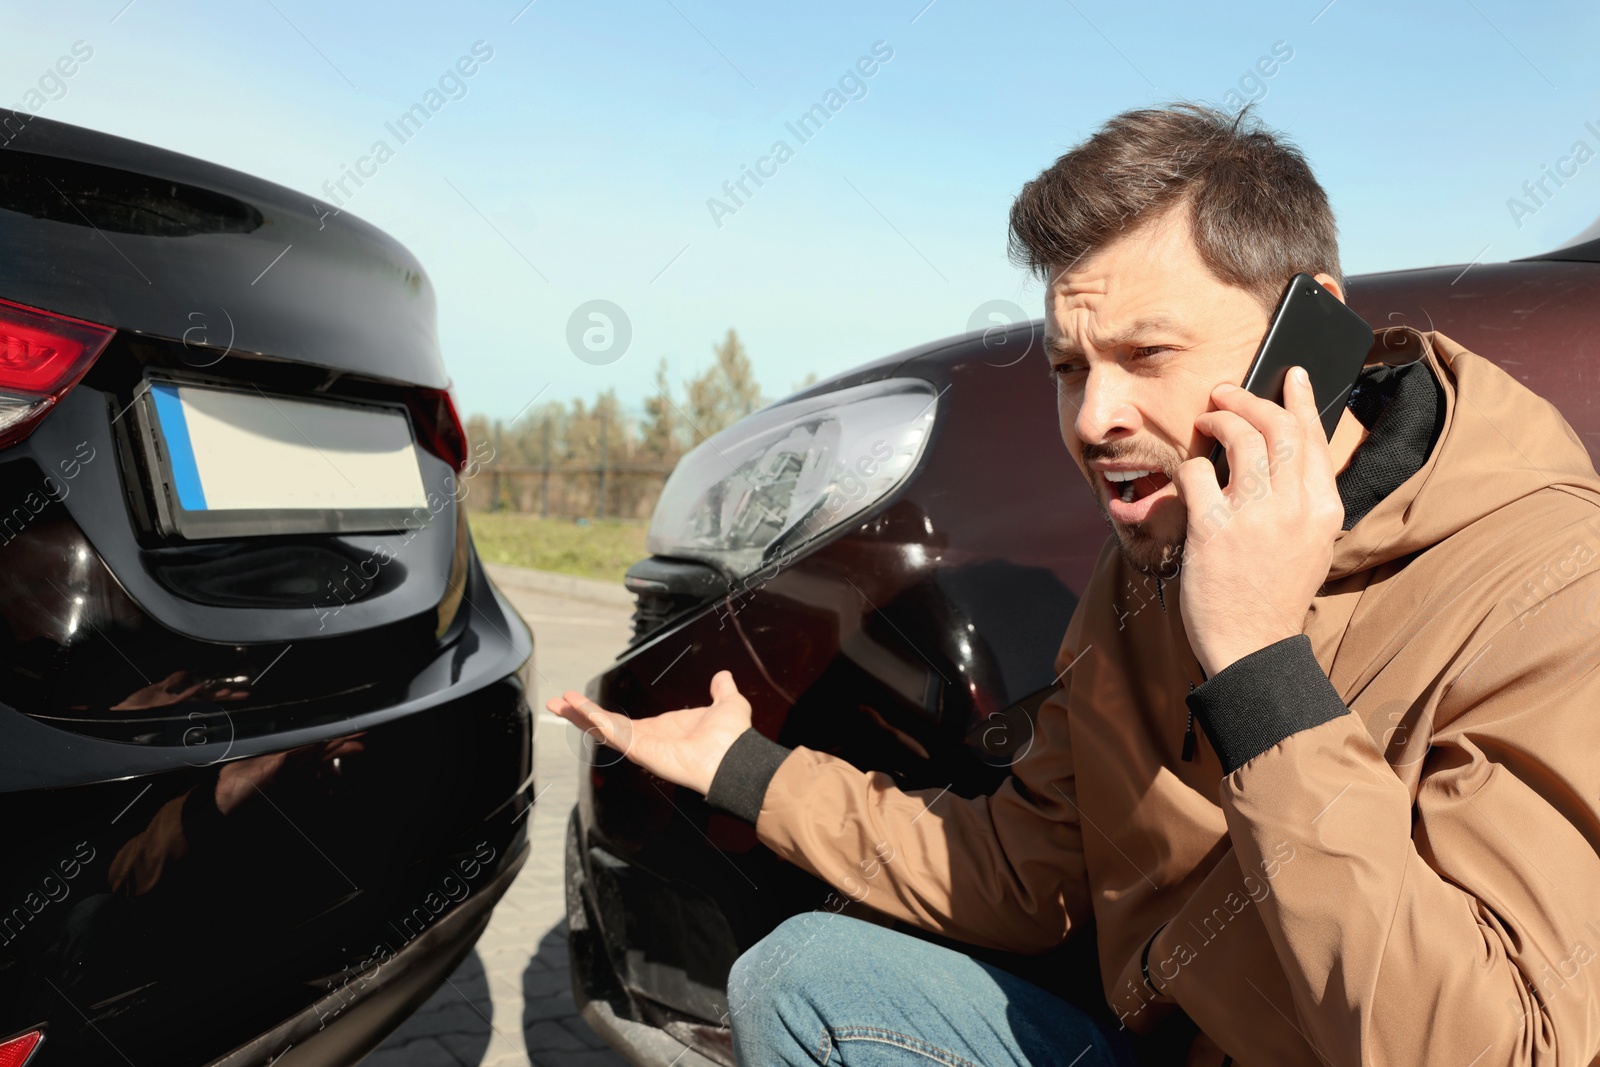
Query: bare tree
726,391
663,431
579,458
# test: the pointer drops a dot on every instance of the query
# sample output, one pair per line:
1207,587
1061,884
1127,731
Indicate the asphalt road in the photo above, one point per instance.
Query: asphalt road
509,1004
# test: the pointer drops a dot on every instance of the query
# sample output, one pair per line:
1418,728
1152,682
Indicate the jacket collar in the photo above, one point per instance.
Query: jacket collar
1499,442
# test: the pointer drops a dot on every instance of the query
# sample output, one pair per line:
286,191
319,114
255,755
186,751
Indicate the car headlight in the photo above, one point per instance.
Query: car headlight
791,472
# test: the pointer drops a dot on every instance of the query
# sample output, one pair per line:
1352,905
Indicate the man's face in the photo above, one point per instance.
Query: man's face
1138,334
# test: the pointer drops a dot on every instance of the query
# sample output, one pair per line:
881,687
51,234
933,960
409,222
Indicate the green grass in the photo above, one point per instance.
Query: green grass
601,549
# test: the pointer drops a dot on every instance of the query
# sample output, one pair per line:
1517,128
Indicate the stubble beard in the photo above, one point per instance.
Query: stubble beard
1144,551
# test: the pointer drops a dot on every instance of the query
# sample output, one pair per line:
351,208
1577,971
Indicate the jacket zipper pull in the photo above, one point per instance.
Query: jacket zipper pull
1189,738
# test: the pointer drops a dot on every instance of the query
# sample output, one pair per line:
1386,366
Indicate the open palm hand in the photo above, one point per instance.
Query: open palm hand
685,747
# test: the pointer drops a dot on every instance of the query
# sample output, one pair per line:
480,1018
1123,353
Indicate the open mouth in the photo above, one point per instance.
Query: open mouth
1130,486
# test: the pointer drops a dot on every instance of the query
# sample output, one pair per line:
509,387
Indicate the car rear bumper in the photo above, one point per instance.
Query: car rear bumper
347,1024
138,920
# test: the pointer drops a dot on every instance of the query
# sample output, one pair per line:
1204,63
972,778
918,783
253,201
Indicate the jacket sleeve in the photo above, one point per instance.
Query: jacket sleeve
1463,927
1004,871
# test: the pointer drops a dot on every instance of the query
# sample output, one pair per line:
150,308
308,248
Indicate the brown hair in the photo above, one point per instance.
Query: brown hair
1257,213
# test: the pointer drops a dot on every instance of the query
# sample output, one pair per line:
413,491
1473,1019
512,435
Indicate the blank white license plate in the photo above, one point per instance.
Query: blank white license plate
235,455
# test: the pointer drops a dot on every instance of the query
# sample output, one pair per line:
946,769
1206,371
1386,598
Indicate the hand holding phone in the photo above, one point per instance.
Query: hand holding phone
1314,329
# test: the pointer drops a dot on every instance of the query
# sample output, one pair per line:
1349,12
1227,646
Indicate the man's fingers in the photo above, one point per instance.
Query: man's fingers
722,686
606,726
1301,399
1240,440
1279,426
1197,484
575,709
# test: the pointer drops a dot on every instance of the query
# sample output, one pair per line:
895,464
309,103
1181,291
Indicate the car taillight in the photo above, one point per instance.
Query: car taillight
439,427
17,1051
42,356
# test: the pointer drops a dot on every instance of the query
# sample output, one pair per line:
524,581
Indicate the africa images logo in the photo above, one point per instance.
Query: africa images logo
852,85
451,85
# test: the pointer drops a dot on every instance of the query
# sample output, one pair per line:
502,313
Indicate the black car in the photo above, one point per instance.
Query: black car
887,563
265,750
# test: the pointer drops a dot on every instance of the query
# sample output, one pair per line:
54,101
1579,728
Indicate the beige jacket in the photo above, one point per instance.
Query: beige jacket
1416,882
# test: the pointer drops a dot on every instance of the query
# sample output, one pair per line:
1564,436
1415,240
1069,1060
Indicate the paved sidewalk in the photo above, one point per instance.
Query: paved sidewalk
509,1004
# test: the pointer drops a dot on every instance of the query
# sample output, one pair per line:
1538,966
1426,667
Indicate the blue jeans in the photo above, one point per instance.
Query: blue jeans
826,989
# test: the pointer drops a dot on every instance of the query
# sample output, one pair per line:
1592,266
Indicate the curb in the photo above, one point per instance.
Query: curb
509,577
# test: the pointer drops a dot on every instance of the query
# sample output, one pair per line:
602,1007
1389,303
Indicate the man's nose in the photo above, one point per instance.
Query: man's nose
1106,408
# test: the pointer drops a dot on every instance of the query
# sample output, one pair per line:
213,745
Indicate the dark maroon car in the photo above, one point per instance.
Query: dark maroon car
887,562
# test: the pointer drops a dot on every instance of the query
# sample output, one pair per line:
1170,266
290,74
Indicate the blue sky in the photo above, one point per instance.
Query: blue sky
579,163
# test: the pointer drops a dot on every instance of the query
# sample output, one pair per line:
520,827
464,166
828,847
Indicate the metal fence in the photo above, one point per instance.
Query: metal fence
568,491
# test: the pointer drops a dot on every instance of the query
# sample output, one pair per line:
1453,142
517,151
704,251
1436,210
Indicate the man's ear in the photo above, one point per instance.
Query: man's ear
1327,282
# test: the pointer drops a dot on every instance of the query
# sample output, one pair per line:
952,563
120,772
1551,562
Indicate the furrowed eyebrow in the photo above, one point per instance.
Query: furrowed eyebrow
1060,346
1067,348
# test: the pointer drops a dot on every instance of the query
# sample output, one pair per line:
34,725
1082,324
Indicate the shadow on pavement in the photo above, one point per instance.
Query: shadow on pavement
557,1036
450,1030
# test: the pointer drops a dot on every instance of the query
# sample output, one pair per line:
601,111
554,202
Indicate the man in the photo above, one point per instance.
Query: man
1380,843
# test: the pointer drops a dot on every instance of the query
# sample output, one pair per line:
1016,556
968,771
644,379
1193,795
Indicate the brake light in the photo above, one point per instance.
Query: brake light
434,411
42,356
19,1050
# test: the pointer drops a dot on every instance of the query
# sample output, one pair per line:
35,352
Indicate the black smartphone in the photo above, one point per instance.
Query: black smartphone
1313,329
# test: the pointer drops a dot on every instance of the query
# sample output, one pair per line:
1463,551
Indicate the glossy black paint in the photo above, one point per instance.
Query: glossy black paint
920,641
161,244
180,932
146,700
257,794
80,433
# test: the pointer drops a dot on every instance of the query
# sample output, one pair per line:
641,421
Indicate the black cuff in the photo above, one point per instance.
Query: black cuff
740,783
1263,698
